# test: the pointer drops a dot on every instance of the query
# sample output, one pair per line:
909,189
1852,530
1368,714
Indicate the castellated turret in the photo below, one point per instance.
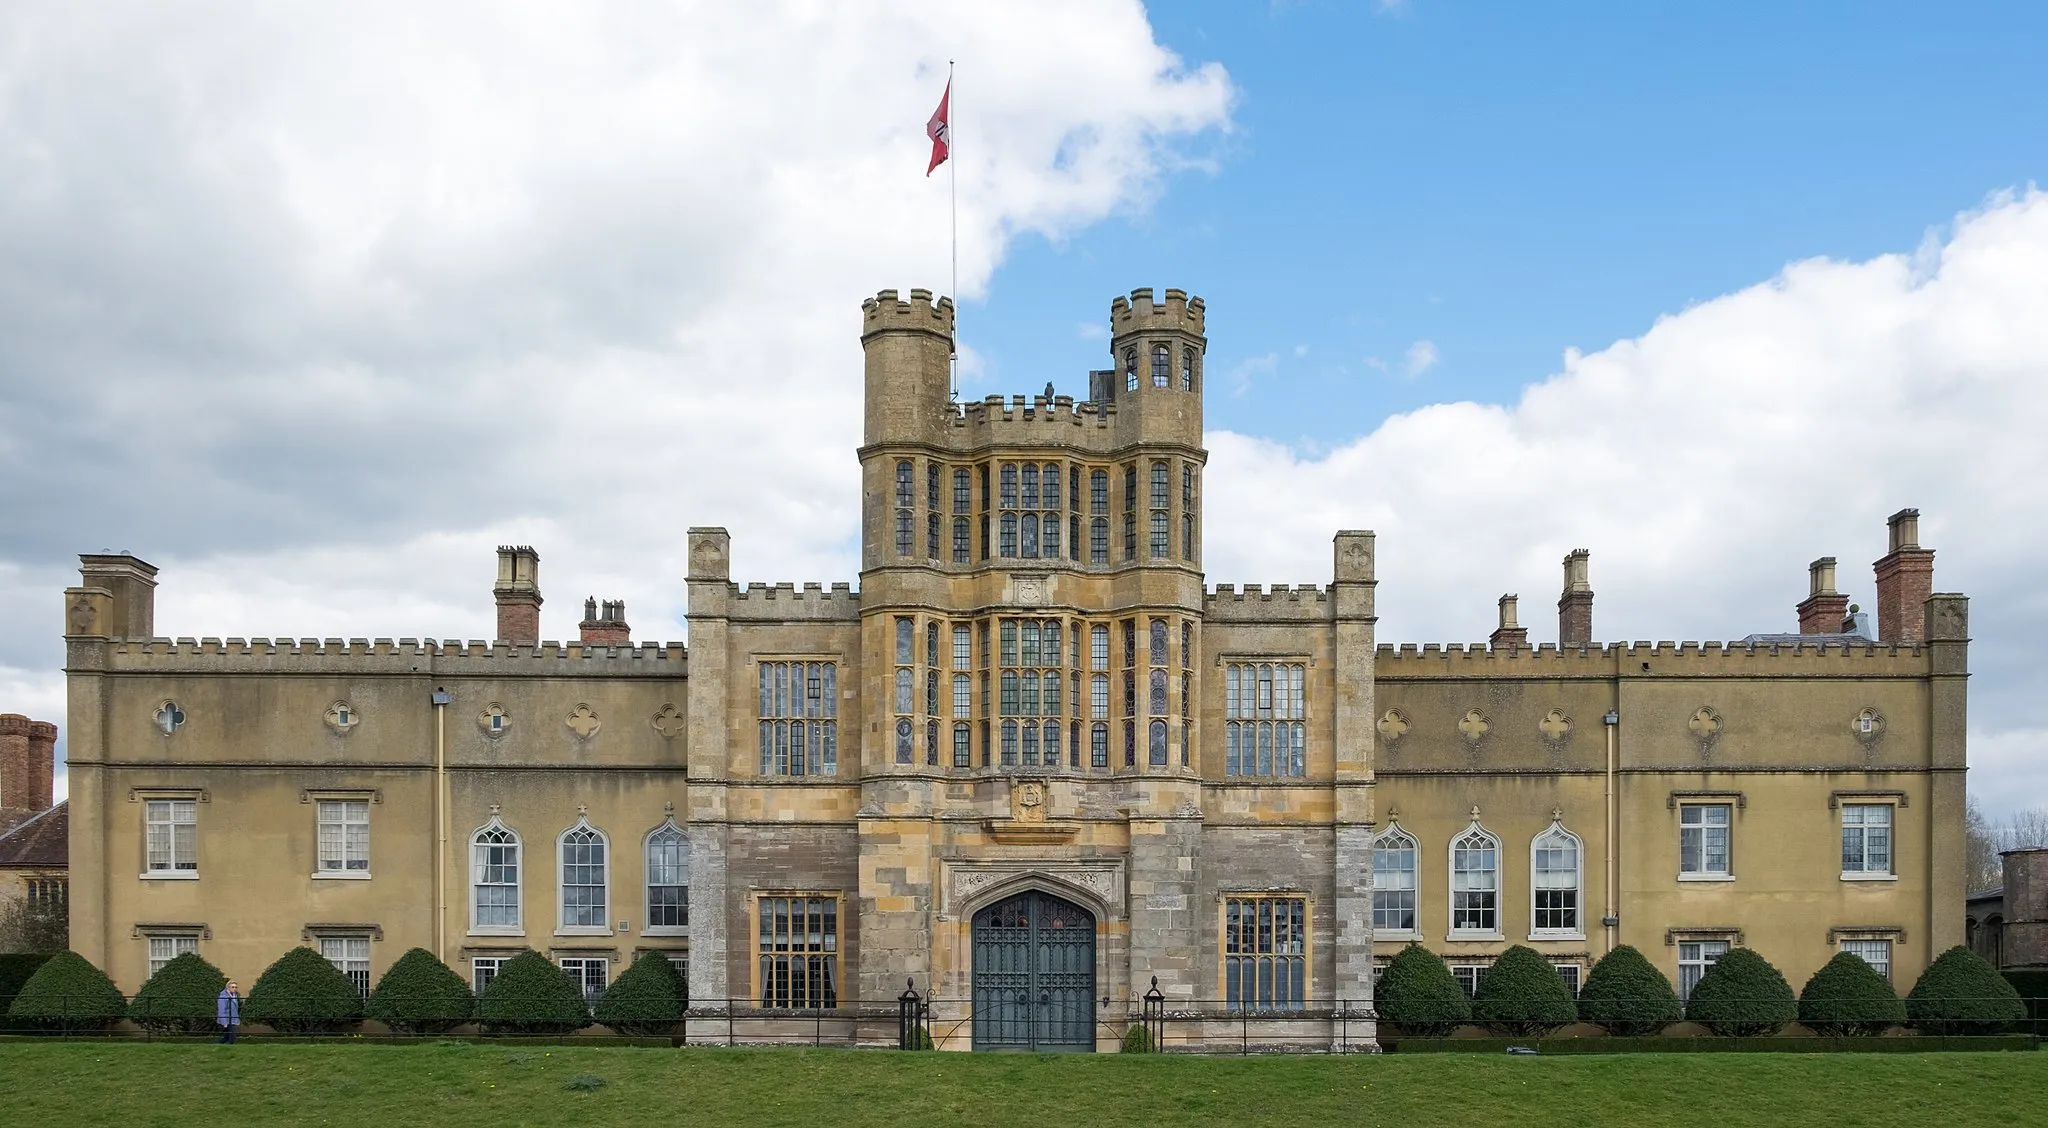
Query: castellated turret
1156,349
909,347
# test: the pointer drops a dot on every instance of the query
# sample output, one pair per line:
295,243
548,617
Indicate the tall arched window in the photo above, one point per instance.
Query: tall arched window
1475,885
494,879
1187,370
1130,370
668,879
1162,367
586,886
1554,885
1393,883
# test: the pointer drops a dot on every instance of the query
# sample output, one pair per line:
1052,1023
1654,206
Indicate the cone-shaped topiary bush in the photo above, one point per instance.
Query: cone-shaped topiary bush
421,995
1628,996
303,993
68,994
1848,997
532,996
1418,994
646,998
1742,996
181,998
1959,993
1522,996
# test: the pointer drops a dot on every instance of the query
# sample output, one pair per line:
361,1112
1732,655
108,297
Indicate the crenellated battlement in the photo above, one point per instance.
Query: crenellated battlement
386,656
886,312
1140,314
1646,660
786,601
1259,602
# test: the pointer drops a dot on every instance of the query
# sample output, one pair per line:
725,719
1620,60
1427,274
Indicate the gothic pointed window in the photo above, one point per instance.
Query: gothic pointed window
1393,882
585,865
1475,884
1555,884
494,878
668,879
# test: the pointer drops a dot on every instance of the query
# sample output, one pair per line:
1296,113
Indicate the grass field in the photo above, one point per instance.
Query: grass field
454,1084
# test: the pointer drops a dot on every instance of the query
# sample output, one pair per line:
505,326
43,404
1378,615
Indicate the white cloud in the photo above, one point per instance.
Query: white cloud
1420,358
313,306
1239,377
1708,460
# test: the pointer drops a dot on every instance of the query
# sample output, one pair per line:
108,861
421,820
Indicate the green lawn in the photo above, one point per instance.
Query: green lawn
446,1085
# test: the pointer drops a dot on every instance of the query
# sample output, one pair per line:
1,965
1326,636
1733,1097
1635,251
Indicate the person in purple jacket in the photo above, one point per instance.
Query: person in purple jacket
228,1012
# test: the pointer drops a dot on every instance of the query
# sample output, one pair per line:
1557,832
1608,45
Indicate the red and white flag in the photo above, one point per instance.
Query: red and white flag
937,130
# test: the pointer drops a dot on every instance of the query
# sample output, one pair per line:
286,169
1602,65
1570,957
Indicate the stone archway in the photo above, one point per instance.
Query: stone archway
1034,974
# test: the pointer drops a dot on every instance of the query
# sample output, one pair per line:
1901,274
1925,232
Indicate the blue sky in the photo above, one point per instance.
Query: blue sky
1507,180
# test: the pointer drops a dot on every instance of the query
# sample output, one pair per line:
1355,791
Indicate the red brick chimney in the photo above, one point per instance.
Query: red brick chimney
1824,609
1905,578
606,627
1575,606
1509,633
28,762
518,595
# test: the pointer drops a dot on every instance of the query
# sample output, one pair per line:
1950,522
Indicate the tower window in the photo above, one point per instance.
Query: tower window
1187,370
1130,370
1162,367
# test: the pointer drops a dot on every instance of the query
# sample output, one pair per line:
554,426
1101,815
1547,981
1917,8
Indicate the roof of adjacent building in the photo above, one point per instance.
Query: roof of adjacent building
42,842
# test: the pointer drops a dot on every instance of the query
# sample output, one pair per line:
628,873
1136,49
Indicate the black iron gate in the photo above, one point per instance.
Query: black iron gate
1034,975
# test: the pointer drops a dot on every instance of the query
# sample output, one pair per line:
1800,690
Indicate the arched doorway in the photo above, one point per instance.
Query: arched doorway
1034,975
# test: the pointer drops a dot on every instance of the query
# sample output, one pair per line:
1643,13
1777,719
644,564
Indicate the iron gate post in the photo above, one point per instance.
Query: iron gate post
909,1018
1154,1018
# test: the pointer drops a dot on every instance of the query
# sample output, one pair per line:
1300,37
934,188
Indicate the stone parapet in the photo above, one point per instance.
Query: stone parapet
386,656
1703,659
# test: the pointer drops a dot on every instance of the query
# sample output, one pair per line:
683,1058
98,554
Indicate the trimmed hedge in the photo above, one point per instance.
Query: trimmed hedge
1522,996
2030,982
530,995
1848,998
303,993
1627,996
1708,1045
646,998
183,997
1959,993
1138,1040
68,994
1418,994
421,995
1742,996
15,968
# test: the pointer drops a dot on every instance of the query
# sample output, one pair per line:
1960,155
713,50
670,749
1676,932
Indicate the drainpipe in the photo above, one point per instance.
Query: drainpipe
1610,917
440,700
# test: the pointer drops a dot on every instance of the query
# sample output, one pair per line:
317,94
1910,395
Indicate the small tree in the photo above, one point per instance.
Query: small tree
303,993
1848,997
421,995
1522,996
1742,996
1959,993
646,998
69,994
181,998
532,996
1418,994
1627,996
41,926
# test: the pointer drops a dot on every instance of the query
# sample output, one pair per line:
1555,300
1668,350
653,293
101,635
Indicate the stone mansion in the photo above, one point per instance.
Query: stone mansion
1031,764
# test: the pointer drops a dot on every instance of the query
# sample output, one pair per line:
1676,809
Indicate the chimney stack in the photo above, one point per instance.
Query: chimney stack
518,595
1575,606
1905,578
131,582
1509,633
1824,609
606,625
28,763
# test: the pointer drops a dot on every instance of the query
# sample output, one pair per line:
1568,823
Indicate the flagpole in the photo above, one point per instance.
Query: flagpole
953,190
